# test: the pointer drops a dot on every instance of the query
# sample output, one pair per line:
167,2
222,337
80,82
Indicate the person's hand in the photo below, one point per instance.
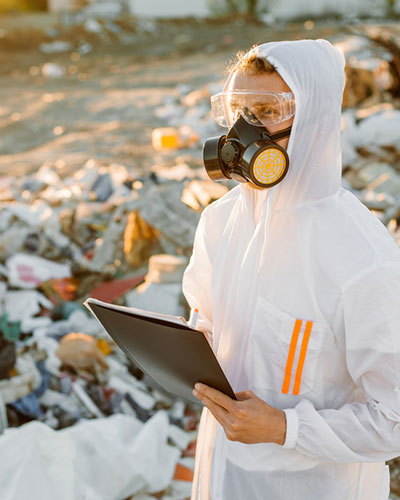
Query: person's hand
249,420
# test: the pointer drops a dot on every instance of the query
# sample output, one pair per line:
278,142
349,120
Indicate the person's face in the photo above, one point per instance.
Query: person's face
268,83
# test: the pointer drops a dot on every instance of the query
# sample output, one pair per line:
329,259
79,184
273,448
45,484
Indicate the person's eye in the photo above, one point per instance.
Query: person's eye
267,112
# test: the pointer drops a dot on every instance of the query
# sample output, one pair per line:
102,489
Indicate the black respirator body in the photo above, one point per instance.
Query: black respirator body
247,153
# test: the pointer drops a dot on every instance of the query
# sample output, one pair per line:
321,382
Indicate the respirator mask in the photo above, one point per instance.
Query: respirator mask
248,152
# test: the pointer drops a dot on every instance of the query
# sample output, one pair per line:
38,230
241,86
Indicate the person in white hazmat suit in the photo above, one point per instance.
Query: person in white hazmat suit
298,290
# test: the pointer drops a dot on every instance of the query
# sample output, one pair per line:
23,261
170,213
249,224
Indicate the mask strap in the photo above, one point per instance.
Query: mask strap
281,134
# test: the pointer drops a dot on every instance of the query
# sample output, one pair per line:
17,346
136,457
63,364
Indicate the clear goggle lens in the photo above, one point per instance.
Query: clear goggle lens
257,108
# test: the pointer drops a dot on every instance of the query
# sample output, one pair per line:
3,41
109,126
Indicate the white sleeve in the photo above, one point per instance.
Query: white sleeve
196,283
369,315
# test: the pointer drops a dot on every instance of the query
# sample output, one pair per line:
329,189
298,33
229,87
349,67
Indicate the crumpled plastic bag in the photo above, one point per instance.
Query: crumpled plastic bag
28,271
102,459
80,353
28,379
24,304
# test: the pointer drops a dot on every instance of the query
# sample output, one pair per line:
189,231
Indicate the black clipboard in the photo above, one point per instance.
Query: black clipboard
173,354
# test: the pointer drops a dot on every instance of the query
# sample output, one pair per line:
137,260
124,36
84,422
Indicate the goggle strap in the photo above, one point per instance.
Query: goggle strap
281,134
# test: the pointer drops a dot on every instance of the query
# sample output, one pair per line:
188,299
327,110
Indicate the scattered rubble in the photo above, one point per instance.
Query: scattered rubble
162,287
371,121
53,70
96,234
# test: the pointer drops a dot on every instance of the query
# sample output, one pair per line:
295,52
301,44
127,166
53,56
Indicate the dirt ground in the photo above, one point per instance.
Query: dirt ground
103,107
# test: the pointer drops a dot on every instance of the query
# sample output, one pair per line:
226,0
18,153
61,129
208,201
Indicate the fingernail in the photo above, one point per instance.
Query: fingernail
197,386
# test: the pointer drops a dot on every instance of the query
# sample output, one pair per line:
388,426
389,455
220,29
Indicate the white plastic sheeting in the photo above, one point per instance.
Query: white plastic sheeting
102,459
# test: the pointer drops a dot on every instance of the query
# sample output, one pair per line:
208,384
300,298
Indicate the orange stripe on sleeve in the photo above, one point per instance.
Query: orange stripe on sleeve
292,350
302,357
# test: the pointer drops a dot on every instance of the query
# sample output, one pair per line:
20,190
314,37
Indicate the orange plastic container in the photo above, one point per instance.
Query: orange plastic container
165,138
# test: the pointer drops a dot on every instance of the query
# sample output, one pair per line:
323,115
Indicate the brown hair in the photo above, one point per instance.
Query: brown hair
252,64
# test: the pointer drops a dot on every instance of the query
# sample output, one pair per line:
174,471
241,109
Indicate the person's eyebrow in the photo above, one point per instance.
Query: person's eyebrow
262,103
234,104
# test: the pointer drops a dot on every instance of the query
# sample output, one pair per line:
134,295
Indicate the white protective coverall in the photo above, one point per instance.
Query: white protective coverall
298,287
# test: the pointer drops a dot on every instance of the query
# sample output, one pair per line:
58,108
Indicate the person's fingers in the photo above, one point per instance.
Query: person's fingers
219,413
215,396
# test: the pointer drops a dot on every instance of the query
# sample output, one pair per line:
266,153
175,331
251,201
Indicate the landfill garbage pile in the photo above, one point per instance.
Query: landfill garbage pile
371,121
105,234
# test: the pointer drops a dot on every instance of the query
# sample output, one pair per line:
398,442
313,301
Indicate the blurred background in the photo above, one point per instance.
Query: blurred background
104,107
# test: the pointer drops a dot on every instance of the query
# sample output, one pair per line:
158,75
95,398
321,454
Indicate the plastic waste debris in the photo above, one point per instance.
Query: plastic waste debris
165,138
182,473
179,172
58,46
28,271
22,304
26,379
141,413
142,398
53,70
103,187
382,128
173,138
11,329
79,391
198,194
380,178
85,48
69,403
7,357
79,353
12,239
101,397
29,405
139,239
162,208
111,290
93,26
60,289
110,247
179,437
28,324
106,9
162,287
197,96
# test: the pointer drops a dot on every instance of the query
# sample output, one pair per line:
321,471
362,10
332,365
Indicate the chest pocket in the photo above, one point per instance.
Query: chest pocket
283,350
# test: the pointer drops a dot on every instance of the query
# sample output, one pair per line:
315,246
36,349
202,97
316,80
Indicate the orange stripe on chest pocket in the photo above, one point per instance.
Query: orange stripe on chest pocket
302,357
292,350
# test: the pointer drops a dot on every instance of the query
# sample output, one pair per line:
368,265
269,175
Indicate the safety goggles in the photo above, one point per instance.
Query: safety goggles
257,108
